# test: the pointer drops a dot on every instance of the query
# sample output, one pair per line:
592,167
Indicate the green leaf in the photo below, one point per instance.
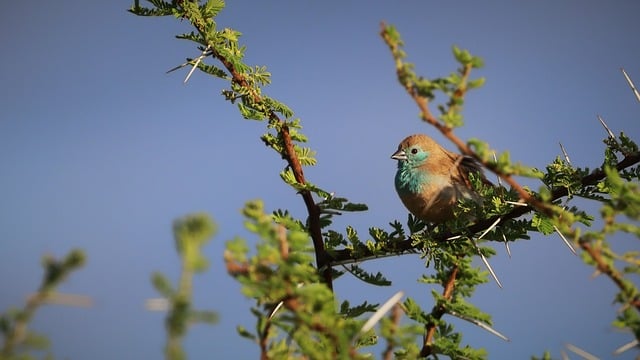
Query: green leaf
543,224
377,279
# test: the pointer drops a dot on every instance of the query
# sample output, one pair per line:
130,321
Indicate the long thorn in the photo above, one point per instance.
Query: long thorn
626,346
564,152
486,263
484,259
495,158
506,245
382,310
566,242
179,66
606,127
479,324
580,352
495,223
633,87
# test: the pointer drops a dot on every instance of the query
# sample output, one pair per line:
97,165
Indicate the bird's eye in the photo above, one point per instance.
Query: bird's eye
414,151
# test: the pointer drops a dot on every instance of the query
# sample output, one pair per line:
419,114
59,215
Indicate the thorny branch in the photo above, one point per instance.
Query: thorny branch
427,116
437,312
611,272
289,155
396,315
345,255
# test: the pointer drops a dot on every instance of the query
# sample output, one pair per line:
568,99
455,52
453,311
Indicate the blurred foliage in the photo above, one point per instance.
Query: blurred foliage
19,342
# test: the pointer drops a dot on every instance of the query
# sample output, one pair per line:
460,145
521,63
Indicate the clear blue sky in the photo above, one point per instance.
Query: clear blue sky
101,150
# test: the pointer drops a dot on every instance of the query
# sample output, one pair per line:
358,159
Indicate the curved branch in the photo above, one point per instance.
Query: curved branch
345,255
288,154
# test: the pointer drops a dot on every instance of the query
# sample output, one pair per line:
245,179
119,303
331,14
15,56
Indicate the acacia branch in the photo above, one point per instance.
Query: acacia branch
288,154
423,104
346,255
601,264
437,312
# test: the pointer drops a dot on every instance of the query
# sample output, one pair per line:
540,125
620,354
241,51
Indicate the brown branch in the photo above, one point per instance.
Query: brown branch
427,116
396,313
289,155
437,312
611,272
344,255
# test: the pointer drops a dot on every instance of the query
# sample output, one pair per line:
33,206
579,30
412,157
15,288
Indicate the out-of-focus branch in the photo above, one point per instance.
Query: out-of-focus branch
437,312
629,292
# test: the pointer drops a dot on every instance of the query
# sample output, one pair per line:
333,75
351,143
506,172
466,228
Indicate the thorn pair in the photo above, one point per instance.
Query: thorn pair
194,62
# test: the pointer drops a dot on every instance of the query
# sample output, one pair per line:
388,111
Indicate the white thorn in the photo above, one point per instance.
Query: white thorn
489,228
204,54
495,158
626,346
484,260
633,87
382,310
486,263
580,352
566,242
178,67
564,152
506,244
479,324
279,305
606,127
157,304
564,355
454,237
519,203
57,298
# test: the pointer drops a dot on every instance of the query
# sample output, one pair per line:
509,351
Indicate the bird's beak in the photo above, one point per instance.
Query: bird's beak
399,155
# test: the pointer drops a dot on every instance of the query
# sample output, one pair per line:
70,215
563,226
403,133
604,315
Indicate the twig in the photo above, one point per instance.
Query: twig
428,117
611,272
437,312
345,255
289,155
396,312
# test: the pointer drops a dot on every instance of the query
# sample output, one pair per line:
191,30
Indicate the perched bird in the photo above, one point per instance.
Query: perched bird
431,179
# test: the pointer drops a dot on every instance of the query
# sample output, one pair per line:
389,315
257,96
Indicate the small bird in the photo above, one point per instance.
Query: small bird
431,179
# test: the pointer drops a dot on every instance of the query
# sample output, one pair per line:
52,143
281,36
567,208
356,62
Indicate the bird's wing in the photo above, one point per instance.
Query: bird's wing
465,166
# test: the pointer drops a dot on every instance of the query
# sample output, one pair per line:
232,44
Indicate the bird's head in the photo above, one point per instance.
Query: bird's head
414,150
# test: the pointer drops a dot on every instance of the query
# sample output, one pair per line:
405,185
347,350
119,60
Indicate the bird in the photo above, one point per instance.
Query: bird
431,179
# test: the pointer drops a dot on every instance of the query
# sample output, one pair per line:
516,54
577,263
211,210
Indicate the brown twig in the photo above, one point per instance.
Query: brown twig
396,314
615,276
289,155
344,255
437,312
427,116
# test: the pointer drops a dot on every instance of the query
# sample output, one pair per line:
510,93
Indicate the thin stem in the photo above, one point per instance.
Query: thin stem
345,255
437,312
289,155
596,255
427,116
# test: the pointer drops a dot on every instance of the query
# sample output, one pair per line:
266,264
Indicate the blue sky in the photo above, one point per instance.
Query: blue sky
101,150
